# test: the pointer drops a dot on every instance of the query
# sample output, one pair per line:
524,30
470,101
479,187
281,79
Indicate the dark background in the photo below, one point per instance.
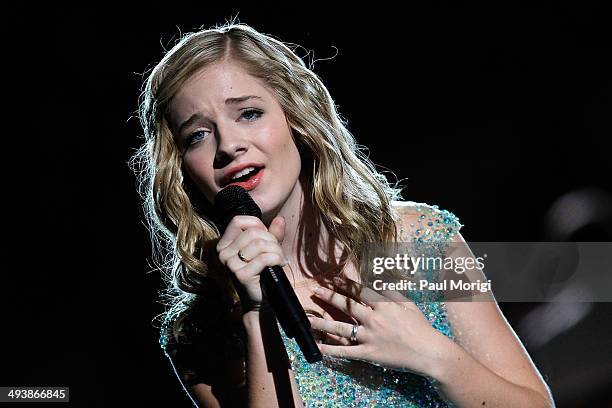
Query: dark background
492,113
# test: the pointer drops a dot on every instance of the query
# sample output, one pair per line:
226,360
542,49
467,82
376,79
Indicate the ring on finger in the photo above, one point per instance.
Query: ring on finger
241,256
353,337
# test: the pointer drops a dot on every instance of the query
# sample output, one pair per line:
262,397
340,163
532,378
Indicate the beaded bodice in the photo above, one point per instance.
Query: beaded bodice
336,382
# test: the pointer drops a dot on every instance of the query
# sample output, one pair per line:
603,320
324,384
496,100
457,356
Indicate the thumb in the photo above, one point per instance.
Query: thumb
277,227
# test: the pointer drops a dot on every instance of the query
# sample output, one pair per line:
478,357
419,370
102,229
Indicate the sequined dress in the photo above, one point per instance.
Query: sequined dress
337,382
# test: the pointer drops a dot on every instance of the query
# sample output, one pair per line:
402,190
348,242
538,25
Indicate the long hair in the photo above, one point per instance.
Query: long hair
351,197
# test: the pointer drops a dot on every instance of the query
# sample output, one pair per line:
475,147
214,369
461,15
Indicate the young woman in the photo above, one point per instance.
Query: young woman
231,105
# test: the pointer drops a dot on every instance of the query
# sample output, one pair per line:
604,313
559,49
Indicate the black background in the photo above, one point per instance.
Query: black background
491,113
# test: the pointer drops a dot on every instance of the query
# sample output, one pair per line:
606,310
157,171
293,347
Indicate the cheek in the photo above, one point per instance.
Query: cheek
296,153
288,147
291,156
203,177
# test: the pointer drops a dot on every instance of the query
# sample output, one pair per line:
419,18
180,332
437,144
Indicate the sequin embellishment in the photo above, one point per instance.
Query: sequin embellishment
337,382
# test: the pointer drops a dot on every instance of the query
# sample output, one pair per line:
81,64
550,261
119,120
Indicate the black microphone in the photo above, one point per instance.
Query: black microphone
235,200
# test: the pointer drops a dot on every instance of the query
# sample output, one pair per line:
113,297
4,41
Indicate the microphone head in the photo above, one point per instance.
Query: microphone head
234,200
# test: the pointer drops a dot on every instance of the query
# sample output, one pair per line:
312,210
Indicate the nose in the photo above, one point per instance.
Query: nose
231,143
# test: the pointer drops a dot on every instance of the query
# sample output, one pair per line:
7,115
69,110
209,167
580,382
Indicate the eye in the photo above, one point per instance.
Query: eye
250,115
250,112
195,137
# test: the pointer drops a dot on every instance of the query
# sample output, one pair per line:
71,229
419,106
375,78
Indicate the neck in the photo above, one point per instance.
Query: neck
307,244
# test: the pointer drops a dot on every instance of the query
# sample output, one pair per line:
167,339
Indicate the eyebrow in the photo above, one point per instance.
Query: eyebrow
229,101
238,99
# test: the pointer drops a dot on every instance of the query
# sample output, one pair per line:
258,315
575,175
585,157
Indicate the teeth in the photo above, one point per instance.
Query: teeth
243,172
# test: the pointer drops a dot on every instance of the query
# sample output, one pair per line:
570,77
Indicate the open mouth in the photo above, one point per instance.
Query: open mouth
247,178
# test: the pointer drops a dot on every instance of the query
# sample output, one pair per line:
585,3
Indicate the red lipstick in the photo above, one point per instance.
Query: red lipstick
252,181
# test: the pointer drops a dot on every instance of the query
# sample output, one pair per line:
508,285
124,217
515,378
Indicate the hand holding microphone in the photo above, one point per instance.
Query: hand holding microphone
247,247
261,277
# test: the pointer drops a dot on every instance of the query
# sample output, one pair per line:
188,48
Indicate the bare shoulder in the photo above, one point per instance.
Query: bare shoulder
478,324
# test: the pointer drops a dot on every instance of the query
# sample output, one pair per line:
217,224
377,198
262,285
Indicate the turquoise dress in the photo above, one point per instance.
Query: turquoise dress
337,382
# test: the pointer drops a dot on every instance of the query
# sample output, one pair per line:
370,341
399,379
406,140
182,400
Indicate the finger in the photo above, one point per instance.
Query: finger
328,338
394,295
259,246
237,225
359,292
277,228
234,263
351,352
343,303
336,340
252,234
331,326
242,241
255,266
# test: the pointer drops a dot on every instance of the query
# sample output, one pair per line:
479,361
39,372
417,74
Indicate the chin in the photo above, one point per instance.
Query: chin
269,205
264,202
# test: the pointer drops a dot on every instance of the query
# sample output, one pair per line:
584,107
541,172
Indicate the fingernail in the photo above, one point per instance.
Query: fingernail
318,290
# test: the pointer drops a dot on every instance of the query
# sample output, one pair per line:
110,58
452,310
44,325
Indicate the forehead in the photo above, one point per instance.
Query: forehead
210,87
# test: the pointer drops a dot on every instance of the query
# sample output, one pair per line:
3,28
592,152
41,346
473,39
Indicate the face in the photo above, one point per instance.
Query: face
222,136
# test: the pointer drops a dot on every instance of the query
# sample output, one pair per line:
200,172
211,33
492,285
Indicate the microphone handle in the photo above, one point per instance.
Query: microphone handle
289,311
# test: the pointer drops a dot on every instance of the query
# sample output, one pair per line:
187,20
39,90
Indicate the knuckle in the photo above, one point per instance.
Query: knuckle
222,244
232,265
261,243
375,321
258,243
239,222
252,234
234,222
267,257
241,274
223,257
242,219
250,221
365,336
270,258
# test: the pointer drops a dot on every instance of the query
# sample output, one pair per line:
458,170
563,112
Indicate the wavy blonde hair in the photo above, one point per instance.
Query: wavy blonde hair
351,197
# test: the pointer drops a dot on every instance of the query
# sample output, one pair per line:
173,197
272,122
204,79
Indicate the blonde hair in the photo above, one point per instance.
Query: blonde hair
352,198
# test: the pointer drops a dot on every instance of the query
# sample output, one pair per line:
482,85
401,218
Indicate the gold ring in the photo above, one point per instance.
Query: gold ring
241,256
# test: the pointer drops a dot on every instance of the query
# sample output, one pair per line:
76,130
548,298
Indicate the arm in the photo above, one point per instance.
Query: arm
246,248
270,380
467,382
229,391
488,366
208,379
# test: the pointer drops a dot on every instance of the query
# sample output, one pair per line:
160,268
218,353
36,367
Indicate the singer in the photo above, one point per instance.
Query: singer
232,106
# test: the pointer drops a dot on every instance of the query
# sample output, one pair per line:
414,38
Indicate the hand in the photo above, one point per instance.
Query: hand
259,246
392,333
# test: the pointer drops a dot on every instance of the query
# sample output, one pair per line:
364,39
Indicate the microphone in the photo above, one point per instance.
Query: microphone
235,200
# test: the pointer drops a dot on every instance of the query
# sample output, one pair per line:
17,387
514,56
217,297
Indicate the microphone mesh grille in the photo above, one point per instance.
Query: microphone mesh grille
232,201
